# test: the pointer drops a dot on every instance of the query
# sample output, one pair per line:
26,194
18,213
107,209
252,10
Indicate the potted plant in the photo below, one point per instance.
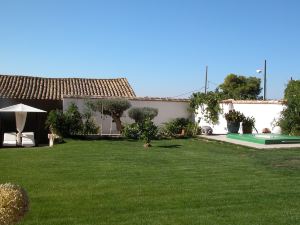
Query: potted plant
234,118
248,124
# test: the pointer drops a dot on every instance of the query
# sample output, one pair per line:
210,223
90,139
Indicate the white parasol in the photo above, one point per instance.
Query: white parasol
21,111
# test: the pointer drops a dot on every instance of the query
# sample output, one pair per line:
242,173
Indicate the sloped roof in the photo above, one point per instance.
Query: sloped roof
27,87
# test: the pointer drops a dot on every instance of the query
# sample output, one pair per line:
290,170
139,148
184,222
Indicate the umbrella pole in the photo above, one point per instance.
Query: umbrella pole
20,124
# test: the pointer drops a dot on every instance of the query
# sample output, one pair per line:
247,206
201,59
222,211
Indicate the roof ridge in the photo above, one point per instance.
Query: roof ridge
145,98
42,77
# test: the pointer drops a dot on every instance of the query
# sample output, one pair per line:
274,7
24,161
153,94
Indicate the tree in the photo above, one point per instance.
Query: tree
148,131
66,123
113,107
240,87
89,125
73,120
140,114
56,122
290,116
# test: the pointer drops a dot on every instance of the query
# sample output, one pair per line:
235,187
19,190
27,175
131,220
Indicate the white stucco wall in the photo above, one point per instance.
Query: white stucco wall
167,110
264,115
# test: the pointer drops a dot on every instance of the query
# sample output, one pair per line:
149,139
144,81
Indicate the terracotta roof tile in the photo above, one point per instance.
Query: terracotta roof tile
26,87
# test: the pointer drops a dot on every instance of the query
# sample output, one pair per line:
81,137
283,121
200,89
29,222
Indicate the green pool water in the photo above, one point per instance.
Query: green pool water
266,138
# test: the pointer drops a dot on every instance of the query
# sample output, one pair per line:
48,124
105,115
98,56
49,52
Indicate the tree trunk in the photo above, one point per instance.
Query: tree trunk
118,123
147,145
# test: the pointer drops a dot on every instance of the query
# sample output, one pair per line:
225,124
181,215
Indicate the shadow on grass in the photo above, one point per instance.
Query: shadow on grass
96,138
169,146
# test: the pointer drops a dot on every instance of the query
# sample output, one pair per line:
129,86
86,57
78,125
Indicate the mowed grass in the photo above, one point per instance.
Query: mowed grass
188,181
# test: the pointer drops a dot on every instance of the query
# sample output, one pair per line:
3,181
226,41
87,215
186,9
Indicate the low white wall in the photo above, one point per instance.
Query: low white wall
167,110
264,113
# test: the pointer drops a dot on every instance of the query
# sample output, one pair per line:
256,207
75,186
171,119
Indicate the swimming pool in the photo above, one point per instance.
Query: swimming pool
266,138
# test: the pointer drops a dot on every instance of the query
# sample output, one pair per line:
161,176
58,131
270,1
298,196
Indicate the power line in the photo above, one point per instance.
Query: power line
213,83
197,90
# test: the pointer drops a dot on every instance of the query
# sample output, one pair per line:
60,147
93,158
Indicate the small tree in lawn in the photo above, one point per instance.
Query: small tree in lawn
141,114
113,107
148,131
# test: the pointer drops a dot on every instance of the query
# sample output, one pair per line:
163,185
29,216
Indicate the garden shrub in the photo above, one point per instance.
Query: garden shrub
70,122
56,123
234,116
14,203
290,116
174,127
131,131
192,129
73,120
143,128
162,132
89,125
295,131
248,124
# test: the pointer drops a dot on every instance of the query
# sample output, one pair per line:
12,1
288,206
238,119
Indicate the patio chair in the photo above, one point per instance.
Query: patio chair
10,139
28,139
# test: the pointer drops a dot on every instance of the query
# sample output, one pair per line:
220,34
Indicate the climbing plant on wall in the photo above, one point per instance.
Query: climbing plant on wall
208,104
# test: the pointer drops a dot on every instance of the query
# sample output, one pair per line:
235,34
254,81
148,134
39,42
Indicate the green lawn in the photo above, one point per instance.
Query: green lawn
175,182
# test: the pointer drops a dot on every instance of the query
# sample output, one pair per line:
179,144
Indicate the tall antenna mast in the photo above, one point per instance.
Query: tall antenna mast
265,80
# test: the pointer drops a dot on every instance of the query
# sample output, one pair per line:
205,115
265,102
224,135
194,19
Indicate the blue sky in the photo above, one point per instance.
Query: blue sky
161,46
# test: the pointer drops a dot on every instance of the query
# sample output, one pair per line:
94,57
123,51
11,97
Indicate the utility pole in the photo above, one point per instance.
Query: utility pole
265,80
205,89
